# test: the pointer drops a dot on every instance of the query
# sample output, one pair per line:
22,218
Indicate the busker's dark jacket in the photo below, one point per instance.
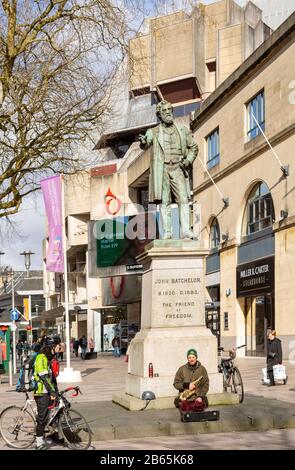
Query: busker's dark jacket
187,374
274,352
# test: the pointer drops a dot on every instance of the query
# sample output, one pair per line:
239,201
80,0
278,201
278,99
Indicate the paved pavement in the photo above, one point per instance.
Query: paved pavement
276,439
105,375
282,439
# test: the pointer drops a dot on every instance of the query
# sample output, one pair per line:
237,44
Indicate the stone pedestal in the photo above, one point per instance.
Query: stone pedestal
172,319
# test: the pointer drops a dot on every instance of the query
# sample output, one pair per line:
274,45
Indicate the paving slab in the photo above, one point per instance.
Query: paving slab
110,421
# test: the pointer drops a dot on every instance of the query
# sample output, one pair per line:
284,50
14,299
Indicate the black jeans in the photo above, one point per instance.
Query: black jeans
270,374
42,402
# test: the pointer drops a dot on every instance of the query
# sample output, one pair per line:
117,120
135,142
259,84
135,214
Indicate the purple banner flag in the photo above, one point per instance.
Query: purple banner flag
52,189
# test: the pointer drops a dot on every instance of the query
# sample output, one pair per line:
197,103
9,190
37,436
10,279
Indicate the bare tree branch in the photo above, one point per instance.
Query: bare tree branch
57,63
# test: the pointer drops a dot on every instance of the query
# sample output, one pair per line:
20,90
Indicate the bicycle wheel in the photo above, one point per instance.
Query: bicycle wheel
75,429
238,384
226,380
17,427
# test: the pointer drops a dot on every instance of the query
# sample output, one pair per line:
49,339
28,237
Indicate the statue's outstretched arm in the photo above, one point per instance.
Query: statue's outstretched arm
146,140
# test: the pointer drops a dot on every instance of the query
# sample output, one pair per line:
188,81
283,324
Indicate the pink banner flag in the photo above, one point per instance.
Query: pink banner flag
52,189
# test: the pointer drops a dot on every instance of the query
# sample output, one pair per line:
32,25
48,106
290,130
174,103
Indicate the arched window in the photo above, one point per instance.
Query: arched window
214,234
260,210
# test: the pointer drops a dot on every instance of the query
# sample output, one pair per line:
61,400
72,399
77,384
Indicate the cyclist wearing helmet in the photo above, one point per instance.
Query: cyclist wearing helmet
45,392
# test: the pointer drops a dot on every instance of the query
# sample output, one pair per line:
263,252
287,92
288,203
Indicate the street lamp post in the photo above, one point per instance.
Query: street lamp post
27,255
5,275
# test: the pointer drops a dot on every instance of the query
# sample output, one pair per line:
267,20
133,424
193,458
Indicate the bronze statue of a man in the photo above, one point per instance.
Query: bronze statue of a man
174,150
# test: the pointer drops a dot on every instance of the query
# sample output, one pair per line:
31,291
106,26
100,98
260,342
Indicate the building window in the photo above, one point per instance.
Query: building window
211,75
186,109
256,116
213,156
260,211
214,234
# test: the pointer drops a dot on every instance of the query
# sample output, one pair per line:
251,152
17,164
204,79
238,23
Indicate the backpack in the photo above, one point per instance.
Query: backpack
54,365
26,382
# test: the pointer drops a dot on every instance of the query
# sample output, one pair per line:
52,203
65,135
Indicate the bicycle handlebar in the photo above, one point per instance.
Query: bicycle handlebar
233,349
60,394
76,389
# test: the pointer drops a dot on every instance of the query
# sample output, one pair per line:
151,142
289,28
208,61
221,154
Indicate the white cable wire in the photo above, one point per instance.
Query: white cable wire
271,147
218,190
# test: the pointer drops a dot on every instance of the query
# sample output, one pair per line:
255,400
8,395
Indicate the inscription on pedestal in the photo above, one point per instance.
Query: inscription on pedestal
178,298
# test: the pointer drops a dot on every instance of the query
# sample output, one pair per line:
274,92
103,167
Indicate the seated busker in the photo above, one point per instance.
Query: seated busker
192,381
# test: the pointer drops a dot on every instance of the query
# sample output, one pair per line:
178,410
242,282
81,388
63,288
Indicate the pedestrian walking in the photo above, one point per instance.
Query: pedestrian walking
62,348
91,344
57,350
19,350
76,347
116,346
83,345
26,348
274,355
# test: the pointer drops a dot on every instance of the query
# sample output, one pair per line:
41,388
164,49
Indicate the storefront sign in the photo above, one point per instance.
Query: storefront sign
134,267
115,243
255,278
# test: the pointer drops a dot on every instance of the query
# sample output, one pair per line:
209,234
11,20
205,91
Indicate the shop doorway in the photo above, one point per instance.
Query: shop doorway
212,312
259,319
114,323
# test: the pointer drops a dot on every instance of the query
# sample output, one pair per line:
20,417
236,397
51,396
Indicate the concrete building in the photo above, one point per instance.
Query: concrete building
209,44
250,273
28,294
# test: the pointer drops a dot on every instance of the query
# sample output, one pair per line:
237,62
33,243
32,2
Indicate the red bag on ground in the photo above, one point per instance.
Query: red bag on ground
199,405
186,405
192,405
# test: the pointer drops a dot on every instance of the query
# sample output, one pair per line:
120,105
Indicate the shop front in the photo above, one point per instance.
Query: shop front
212,282
121,297
212,312
114,323
255,290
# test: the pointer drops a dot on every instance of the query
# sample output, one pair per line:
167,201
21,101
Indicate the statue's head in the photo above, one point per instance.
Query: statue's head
165,112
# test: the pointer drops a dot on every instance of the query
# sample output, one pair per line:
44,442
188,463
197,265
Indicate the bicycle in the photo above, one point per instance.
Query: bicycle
18,424
231,375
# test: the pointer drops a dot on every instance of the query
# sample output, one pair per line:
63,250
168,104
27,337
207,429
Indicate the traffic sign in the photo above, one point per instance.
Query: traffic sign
14,314
13,327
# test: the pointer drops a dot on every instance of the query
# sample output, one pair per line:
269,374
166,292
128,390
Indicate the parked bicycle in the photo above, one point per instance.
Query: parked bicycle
231,375
18,424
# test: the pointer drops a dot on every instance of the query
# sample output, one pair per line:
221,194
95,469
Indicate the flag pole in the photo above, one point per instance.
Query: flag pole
66,291
68,374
